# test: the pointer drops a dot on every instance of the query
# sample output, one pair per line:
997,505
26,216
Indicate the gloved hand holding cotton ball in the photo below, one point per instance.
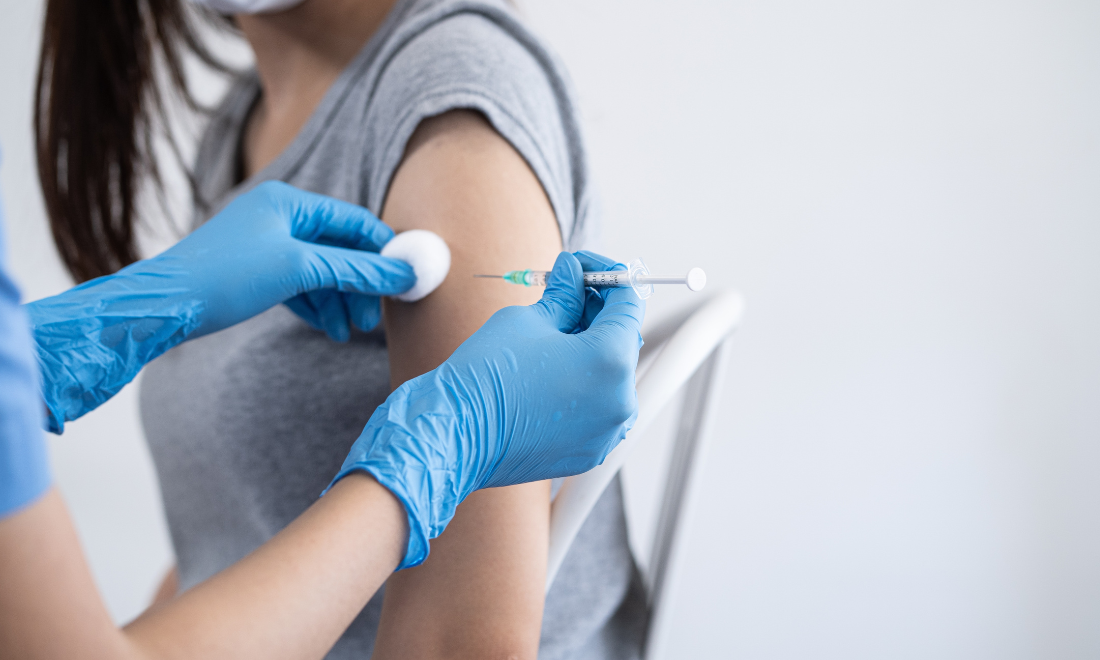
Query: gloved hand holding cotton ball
429,257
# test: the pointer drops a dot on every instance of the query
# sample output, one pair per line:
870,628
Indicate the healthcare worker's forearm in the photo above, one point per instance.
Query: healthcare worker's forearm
291,598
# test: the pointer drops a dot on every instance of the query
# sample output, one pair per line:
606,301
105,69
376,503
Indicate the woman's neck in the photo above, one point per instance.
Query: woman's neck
299,53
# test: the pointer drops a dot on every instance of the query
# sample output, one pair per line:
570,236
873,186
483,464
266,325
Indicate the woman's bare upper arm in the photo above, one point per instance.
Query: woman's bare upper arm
480,593
462,180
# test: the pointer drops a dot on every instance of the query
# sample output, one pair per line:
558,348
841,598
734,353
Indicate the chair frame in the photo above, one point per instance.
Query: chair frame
693,442
689,352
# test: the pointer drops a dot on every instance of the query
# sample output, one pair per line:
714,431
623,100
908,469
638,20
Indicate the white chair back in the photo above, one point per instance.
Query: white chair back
683,353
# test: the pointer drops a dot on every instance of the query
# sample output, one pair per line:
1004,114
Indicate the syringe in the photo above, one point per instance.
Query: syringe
636,275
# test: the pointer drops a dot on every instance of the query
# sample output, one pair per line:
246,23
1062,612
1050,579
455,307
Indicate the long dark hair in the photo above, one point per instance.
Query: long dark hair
98,111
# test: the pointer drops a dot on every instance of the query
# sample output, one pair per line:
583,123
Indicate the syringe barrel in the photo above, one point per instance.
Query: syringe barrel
596,280
636,275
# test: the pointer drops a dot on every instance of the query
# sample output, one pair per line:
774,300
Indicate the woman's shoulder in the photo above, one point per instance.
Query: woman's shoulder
478,55
485,18
479,45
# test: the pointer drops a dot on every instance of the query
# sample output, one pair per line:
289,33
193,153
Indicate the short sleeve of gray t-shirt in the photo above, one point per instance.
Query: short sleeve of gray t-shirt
248,425
458,63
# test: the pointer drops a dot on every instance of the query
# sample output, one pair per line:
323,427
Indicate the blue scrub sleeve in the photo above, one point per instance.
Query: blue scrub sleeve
24,467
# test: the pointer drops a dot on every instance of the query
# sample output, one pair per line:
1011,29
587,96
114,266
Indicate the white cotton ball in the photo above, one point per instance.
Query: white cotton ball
428,255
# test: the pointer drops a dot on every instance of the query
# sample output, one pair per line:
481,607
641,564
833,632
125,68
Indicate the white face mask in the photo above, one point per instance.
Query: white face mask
247,6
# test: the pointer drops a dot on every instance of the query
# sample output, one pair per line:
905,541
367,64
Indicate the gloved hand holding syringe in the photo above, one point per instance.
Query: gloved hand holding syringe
636,275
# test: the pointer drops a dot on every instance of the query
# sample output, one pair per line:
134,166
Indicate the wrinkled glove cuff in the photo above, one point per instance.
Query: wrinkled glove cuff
88,348
412,446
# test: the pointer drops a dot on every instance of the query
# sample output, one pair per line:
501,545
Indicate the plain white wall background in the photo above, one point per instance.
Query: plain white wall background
909,195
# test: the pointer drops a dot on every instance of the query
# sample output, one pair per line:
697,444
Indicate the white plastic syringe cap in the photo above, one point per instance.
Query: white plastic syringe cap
696,279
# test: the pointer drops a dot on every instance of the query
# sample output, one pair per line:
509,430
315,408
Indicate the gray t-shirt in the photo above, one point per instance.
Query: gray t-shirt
248,425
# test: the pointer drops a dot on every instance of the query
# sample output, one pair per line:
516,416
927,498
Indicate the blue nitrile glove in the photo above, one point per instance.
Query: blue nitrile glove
594,298
335,312
525,398
24,469
271,244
